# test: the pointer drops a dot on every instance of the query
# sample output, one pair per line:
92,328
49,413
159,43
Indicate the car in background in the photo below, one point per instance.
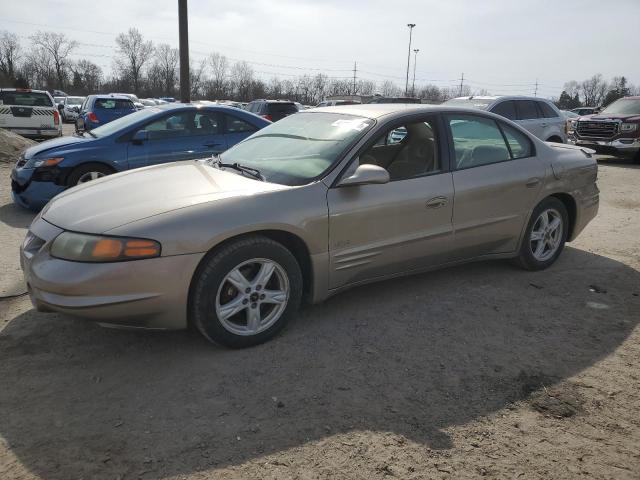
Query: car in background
380,99
306,208
148,102
30,113
167,99
539,116
134,98
58,99
272,110
98,110
333,103
569,114
613,131
146,137
70,108
585,110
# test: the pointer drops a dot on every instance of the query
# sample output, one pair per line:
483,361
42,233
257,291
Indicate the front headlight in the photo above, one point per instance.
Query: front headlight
80,247
572,124
628,127
44,162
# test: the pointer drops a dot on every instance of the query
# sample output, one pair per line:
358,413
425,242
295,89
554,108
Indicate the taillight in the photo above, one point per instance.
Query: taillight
92,117
267,117
56,117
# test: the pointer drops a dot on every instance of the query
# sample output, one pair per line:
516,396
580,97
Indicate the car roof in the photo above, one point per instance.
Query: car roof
24,90
499,97
376,110
108,96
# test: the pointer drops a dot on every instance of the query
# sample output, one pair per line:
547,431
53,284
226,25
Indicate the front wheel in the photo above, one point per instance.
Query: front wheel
246,292
86,173
545,235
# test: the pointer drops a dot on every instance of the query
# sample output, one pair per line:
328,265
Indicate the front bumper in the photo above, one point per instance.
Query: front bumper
29,193
625,147
150,293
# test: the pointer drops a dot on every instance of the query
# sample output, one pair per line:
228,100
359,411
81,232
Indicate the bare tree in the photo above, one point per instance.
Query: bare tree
9,54
87,76
366,87
389,89
197,79
166,65
39,70
593,90
242,77
134,53
220,75
58,47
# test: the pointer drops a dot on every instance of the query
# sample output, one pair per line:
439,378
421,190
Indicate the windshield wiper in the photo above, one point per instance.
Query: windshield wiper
90,133
254,172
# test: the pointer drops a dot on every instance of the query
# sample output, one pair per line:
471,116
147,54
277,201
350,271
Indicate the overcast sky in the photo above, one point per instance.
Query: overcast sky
500,45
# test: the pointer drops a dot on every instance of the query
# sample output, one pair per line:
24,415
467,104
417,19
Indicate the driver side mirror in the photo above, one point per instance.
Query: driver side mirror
139,137
366,174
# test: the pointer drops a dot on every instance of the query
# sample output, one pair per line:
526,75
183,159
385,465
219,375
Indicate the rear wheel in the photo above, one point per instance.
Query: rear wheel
86,173
245,293
545,235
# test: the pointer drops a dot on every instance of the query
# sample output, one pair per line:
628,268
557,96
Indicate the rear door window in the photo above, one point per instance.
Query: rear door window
477,141
526,109
519,143
26,99
236,125
547,111
113,104
506,109
282,108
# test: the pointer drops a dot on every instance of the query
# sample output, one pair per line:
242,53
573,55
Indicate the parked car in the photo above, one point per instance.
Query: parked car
148,102
147,137
30,113
569,114
98,110
70,108
614,131
58,99
538,116
333,103
272,110
134,98
309,206
379,99
168,99
586,110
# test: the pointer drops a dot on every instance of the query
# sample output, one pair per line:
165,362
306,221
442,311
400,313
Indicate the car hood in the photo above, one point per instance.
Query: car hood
119,199
54,143
633,117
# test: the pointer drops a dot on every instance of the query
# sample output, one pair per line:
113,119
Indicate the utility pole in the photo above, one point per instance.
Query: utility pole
535,94
406,85
461,82
183,26
355,69
415,62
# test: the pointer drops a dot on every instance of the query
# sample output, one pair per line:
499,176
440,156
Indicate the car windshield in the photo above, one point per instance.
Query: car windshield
122,122
470,102
25,99
624,106
299,148
75,100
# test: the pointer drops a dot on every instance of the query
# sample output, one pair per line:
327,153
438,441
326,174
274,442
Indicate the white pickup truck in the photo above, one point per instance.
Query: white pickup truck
30,113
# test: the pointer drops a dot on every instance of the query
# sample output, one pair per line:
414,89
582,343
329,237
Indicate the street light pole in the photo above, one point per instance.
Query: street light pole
415,62
183,28
406,85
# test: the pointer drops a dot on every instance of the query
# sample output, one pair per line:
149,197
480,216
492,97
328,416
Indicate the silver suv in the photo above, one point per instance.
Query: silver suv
540,117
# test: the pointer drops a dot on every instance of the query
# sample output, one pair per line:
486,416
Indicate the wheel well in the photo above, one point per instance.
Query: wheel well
291,242
82,165
570,204
554,138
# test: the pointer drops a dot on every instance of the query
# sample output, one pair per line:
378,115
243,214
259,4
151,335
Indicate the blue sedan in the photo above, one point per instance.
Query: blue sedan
151,136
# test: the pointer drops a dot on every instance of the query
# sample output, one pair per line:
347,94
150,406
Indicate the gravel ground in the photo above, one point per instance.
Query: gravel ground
476,371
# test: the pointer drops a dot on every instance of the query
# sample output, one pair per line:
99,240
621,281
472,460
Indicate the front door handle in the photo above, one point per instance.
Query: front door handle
533,182
437,202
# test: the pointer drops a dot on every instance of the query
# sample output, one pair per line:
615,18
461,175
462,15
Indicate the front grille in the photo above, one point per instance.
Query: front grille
594,129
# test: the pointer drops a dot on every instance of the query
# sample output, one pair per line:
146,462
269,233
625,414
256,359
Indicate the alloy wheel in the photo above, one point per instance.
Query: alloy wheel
252,297
546,235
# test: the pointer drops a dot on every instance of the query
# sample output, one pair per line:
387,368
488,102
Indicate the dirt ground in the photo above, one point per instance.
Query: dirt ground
477,371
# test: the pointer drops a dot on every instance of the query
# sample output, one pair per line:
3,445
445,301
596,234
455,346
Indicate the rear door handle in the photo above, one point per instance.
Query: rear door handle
437,202
533,182
212,144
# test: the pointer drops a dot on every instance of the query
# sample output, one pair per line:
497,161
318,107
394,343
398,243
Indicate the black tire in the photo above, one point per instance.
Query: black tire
526,258
209,279
82,170
636,159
